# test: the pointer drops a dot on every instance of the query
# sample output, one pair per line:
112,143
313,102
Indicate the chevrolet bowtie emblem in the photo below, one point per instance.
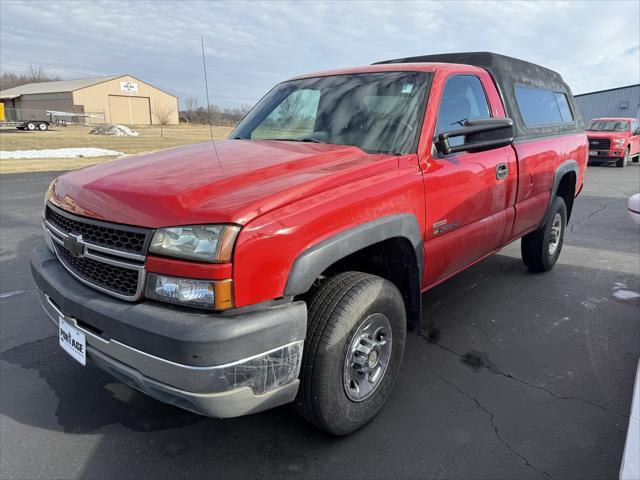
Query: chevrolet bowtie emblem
73,245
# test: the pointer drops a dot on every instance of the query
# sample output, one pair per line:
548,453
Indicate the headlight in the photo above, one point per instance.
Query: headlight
206,243
211,294
47,237
47,196
618,142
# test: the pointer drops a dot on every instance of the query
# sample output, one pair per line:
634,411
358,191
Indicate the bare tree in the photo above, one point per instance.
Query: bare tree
37,74
191,109
162,116
290,109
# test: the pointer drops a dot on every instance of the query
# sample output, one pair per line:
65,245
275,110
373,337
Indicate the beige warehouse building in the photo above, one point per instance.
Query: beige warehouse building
121,99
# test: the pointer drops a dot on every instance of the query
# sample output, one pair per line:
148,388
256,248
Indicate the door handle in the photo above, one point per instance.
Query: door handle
502,170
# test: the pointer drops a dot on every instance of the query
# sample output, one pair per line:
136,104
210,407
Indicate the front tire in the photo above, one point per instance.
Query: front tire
353,351
540,249
623,161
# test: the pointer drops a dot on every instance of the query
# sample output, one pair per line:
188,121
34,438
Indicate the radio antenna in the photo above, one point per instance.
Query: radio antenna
206,87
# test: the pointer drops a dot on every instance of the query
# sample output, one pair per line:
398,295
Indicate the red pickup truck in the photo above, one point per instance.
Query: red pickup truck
613,140
287,263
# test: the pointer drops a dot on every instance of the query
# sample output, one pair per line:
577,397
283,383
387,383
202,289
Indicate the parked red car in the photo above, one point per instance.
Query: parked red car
286,263
614,140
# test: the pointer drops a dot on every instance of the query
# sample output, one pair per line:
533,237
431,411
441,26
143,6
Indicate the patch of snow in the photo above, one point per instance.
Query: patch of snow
116,130
626,294
59,153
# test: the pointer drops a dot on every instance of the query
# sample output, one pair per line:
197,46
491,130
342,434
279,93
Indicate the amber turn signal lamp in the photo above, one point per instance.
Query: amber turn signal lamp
225,250
223,294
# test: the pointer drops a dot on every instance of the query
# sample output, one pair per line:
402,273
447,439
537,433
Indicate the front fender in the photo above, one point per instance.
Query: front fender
268,247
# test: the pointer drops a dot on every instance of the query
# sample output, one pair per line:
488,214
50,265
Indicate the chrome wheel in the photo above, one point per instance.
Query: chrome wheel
555,234
367,358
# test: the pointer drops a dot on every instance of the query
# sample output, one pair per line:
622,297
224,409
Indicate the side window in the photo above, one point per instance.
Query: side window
539,106
635,128
563,106
463,99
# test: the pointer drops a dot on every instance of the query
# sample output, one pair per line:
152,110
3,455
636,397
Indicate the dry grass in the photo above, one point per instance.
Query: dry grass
149,140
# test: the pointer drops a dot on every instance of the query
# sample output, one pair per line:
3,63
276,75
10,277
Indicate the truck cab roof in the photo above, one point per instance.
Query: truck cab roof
507,72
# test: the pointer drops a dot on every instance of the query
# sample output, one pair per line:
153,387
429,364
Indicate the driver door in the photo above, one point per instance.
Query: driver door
467,194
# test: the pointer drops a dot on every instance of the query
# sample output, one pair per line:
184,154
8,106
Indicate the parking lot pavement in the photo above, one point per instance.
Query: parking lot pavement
517,376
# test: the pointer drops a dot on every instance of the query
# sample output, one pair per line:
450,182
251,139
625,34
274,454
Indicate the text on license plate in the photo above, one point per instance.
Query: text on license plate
72,341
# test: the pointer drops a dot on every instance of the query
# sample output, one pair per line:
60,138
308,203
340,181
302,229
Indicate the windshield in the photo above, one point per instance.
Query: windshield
608,126
377,112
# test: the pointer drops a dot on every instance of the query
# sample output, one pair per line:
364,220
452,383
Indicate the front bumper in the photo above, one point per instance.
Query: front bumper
215,365
605,156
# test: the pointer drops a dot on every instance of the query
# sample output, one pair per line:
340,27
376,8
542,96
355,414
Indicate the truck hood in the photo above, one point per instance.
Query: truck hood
196,184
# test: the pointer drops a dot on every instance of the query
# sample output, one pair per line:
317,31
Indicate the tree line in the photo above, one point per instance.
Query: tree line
194,113
32,74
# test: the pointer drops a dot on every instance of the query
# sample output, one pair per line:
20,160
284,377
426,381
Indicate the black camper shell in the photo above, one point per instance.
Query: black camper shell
507,73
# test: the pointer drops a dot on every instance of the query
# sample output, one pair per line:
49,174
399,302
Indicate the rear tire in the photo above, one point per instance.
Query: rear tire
353,351
623,161
541,248
43,126
31,126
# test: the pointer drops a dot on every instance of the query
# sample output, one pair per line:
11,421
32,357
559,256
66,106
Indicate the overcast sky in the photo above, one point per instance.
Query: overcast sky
251,46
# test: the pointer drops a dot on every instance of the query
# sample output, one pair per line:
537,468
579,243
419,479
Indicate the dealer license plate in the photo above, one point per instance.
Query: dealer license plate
72,341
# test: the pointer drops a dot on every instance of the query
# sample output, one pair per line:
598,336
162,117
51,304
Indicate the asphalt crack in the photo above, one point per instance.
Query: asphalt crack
592,214
493,369
14,292
491,416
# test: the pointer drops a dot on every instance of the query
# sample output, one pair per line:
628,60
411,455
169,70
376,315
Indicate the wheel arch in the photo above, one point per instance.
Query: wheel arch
564,185
389,247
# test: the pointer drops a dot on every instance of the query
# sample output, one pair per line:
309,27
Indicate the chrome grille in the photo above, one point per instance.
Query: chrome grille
123,281
125,238
108,257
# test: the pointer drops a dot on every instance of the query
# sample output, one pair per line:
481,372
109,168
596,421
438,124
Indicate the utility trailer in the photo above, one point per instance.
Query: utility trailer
40,120
32,124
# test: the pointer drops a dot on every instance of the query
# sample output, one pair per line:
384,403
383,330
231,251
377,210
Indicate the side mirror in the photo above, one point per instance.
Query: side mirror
478,135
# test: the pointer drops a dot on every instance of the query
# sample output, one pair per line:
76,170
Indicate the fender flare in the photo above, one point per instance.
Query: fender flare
565,167
309,264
